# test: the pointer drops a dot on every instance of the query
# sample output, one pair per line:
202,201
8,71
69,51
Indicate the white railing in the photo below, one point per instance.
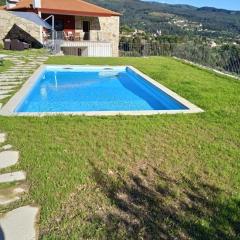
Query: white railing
76,46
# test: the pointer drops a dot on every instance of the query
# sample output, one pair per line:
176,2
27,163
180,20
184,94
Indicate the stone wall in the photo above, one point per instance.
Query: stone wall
12,26
105,29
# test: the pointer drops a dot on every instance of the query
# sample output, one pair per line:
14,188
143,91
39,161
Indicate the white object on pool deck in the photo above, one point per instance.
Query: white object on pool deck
19,224
8,158
12,177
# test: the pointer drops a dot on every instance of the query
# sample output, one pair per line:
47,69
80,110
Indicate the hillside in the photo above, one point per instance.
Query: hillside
153,16
174,19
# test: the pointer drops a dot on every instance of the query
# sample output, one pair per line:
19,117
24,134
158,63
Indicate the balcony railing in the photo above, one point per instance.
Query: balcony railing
74,36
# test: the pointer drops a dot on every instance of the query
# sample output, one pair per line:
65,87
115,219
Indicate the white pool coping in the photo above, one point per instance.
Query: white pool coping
9,108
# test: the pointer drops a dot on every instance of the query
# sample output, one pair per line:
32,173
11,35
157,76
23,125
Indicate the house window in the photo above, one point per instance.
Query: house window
86,30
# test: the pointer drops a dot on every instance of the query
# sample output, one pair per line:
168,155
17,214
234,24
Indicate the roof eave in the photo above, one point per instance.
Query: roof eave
78,13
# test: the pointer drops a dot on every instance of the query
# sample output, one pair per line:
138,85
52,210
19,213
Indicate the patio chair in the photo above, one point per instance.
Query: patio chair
7,44
77,36
65,36
70,36
17,45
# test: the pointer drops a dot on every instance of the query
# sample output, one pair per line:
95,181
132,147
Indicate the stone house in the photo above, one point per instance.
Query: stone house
78,27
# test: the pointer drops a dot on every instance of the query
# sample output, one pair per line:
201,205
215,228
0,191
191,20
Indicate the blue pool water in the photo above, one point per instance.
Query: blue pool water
86,89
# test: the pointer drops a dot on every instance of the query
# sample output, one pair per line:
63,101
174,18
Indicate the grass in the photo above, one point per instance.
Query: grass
26,52
147,177
5,66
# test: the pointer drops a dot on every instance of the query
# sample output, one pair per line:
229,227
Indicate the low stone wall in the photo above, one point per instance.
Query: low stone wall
12,26
104,29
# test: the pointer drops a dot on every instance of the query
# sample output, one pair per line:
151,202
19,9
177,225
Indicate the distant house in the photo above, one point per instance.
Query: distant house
80,28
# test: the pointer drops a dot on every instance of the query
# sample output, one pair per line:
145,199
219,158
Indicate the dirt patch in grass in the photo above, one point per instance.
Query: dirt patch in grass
148,204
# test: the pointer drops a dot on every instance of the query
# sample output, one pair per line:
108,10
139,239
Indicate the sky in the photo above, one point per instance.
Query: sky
225,4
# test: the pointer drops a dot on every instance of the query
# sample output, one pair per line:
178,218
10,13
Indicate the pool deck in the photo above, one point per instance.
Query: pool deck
8,109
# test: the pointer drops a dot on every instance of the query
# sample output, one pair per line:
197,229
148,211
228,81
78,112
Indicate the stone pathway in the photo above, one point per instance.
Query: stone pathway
8,158
20,223
16,75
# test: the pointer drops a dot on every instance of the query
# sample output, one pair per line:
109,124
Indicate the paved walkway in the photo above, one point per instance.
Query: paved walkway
20,223
16,75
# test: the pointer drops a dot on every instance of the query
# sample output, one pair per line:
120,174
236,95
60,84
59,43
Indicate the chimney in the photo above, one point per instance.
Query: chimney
11,3
36,3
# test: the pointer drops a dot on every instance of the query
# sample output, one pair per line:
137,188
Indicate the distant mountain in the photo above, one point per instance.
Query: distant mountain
174,19
152,16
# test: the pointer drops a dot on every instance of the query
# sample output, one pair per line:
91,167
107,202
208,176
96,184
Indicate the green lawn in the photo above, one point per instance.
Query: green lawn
5,66
147,177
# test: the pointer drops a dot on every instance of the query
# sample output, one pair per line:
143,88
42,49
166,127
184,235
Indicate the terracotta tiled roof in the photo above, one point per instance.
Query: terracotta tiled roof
71,7
23,4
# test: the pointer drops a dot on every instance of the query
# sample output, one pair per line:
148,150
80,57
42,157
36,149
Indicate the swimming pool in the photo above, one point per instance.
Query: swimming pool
94,90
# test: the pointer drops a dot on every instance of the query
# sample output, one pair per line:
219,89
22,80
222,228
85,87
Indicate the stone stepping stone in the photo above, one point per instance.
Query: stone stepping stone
3,137
10,80
12,194
4,96
15,79
26,69
20,224
8,83
7,147
13,76
4,92
13,70
8,158
6,87
12,177
23,66
13,82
